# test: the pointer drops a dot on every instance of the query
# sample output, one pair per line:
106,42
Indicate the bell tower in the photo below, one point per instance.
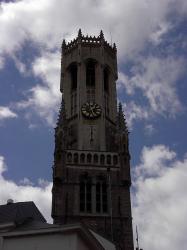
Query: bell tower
91,172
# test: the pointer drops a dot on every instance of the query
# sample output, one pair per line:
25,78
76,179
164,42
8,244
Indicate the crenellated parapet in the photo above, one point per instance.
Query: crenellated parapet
88,41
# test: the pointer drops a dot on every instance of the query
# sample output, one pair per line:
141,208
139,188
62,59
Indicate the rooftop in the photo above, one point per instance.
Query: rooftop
22,219
19,212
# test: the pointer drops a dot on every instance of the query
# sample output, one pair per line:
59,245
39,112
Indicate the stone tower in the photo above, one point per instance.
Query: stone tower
91,173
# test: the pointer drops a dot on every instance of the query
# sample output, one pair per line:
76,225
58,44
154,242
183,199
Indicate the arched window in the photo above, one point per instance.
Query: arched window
90,73
82,158
95,158
69,157
89,158
101,197
85,194
108,159
102,159
76,158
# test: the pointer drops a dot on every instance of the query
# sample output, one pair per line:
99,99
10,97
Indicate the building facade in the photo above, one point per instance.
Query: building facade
91,172
22,226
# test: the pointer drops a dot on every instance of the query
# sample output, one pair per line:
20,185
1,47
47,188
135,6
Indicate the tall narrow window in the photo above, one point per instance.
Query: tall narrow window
86,195
106,96
106,79
90,80
106,73
66,206
73,79
115,160
82,196
73,103
73,73
98,197
90,73
101,197
104,197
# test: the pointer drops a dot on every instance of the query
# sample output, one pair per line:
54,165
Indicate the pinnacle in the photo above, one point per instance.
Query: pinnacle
63,43
79,33
101,34
62,114
120,107
121,120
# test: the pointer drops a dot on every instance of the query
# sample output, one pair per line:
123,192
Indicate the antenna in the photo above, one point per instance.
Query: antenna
137,240
110,36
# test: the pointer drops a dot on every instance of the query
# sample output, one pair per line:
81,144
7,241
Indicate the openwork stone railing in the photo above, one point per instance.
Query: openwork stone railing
76,157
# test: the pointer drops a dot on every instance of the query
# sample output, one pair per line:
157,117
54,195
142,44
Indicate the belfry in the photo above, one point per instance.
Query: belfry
91,172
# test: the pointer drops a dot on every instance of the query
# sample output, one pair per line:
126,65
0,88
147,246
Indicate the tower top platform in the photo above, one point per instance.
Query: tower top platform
88,41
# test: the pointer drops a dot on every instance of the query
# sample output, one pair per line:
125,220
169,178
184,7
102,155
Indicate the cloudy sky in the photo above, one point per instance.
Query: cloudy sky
151,38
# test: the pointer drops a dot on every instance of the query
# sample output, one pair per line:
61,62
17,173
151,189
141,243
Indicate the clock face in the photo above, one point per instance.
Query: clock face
91,110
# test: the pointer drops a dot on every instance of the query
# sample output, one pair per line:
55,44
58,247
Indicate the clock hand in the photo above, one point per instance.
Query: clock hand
91,110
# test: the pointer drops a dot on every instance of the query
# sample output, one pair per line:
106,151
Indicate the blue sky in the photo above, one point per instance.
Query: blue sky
151,38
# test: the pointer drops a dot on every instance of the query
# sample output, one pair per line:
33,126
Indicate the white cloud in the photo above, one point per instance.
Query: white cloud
6,113
26,182
1,62
134,112
162,29
149,129
44,98
160,204
154,160
3,166
156,78
46,22
25,191
20,65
